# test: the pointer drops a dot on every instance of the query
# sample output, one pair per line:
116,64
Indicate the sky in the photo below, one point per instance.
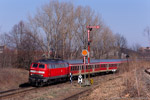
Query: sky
126,17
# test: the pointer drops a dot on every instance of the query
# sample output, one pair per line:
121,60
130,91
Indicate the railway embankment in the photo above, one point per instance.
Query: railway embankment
12,78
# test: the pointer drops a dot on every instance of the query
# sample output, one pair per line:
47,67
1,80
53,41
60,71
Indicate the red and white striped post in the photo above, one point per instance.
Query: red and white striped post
90,29
88,46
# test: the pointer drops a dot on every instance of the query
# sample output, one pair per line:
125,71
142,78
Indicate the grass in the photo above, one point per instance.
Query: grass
132,78
11,78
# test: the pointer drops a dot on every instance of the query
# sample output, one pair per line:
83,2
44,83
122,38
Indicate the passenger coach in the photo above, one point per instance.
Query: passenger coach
77,67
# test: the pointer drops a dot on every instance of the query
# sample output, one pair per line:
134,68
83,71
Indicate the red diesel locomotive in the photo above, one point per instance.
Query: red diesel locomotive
48,71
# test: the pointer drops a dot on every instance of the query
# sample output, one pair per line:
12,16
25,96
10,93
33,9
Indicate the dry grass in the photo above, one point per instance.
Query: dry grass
132,78
107,91
11,78
128,86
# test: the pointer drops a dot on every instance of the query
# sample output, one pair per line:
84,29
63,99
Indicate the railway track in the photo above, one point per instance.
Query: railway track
12,92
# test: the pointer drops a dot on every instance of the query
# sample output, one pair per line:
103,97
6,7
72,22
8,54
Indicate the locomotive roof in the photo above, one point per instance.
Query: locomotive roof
47,61
95,61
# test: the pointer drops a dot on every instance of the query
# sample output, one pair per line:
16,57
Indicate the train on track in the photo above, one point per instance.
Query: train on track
51,70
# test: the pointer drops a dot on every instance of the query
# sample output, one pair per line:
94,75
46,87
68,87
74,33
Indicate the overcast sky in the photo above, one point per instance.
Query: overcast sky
127,17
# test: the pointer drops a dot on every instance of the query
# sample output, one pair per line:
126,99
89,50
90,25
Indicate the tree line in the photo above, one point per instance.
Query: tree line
58,30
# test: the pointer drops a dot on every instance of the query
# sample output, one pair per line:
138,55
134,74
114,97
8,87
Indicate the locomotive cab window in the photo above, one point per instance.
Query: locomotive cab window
35,65
41,66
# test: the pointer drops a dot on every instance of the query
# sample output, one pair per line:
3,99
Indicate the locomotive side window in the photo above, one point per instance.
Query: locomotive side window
41,66
66,65
49,66
35,65
62,65
53,66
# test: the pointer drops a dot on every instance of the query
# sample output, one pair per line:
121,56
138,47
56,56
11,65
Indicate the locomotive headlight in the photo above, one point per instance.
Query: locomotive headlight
33,71
41,72
114,70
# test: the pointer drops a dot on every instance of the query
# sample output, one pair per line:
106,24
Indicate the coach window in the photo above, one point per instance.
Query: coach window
89,66
71,68
97,66
112,65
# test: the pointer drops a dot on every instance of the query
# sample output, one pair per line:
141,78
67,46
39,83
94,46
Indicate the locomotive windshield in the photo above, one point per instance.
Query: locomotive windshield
35,65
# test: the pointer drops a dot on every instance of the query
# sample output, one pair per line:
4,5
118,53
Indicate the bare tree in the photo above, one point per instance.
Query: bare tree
120,43
104,43
147,33
22,43
54,22
136,47
62,27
